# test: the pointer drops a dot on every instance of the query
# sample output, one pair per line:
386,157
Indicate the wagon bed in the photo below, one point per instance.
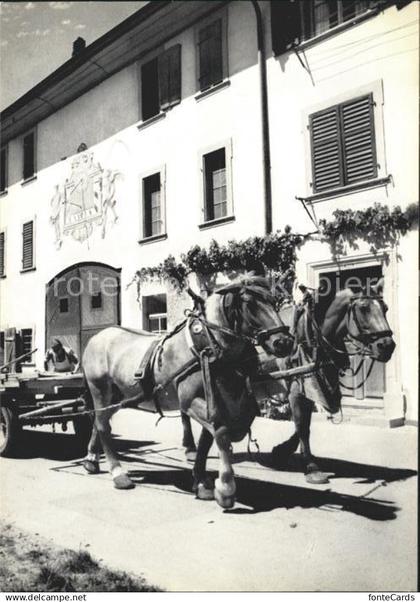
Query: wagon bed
37,398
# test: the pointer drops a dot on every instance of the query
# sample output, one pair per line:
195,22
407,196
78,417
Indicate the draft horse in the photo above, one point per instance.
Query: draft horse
203,367
354,323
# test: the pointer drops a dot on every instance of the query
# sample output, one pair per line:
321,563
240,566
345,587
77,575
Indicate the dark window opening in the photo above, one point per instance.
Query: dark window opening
343,144
3,170
28,246
2,254
155,313
152,206
2,348
161,82
29,156
215,185
210,55
64,305
96,301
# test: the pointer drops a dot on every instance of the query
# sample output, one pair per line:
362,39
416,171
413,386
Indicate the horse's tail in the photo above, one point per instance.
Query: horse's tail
86,394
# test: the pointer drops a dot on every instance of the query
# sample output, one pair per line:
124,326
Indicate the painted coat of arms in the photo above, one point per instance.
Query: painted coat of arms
84,201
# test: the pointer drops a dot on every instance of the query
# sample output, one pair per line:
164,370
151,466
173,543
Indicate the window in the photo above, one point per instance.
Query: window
2,254
155,313
216,189
96,301
321,15
3,169
26,339
28,246
64,305
161,82
29,156
153,205
294,21
343,148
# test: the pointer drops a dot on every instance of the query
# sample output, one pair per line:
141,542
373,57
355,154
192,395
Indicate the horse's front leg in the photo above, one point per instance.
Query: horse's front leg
202,484
188,438
302,414
225,487
91,461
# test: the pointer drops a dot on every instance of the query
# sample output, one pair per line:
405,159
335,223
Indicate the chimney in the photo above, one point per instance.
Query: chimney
78,46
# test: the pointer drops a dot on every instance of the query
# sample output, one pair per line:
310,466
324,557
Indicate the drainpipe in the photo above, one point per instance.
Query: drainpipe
264,119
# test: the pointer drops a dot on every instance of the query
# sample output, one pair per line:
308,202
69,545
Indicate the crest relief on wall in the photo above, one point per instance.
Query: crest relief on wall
85,200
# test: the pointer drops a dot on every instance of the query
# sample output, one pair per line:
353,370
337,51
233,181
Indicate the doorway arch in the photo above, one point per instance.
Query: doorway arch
80,301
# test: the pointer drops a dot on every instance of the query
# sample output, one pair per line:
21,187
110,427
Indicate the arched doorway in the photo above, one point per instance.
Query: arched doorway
81,301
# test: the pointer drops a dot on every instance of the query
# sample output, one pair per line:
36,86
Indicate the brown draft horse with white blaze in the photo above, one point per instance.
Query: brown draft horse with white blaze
357,319
216,392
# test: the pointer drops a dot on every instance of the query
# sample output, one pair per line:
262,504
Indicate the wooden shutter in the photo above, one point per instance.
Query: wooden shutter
285,25
27,245
358,140
169,66
3,169
150,89
327,166
2,240
210,55
29,156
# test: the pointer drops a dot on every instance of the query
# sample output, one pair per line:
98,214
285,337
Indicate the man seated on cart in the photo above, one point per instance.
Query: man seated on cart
63,359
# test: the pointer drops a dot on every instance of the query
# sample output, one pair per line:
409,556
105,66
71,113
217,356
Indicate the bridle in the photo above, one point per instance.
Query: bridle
362,336
234,315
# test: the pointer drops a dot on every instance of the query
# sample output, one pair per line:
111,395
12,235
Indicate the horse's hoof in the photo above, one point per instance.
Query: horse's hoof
122,481
225,501
91,466
203,492
317,478
191,455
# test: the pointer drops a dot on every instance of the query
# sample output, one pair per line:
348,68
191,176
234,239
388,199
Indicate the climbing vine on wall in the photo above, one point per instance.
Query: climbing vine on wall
276,253
377,225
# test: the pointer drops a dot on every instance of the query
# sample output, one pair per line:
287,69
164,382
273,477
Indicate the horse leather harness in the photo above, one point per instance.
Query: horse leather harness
205,349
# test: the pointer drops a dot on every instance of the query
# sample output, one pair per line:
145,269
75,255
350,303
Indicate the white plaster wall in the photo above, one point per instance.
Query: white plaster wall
106,119
379,52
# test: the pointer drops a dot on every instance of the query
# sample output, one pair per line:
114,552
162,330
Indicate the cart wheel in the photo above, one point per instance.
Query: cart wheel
9,431
83,429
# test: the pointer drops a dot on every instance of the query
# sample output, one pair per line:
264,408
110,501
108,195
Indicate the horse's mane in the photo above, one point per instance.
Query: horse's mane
337,309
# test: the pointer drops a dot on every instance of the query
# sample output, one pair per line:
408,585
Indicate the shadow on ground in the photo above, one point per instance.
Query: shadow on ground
62,446
257,495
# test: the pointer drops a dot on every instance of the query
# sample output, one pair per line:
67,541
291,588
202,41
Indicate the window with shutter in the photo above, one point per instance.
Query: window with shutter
2,254
3,169
343,144
29,151
161,82
27,246
210,55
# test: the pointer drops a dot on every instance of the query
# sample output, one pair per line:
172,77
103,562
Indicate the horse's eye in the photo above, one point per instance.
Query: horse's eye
385,307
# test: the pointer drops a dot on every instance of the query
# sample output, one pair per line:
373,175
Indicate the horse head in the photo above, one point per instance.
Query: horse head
364,322
250,310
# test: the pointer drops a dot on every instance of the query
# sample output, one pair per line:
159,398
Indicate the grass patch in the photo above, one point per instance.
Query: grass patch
29,563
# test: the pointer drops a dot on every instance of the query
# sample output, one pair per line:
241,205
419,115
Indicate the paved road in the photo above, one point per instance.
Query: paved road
356,533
